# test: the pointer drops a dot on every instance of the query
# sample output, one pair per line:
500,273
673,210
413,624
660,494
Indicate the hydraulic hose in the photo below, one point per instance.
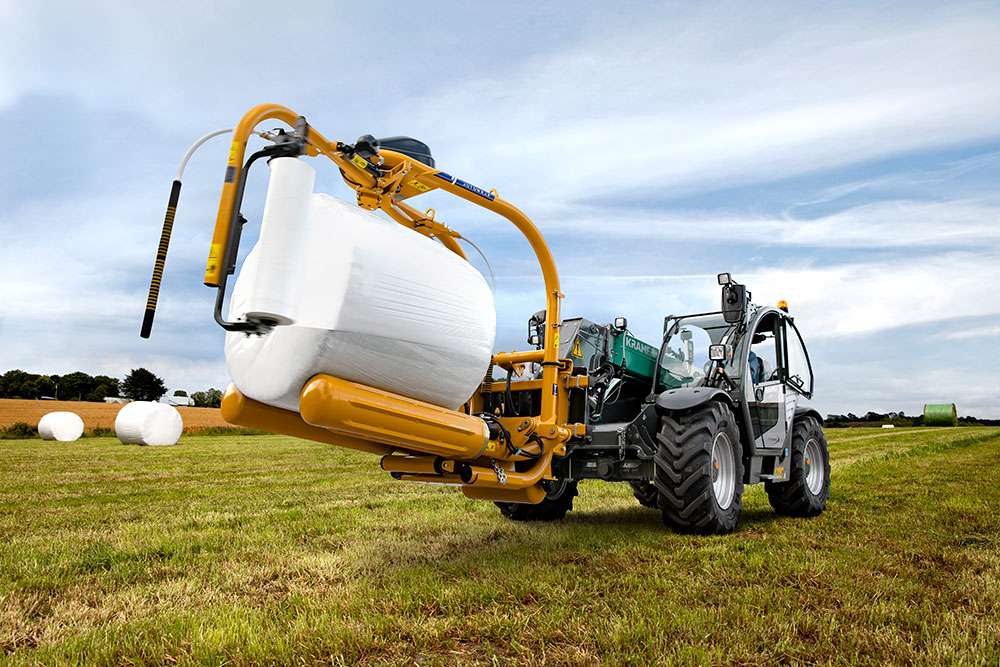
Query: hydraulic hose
168,226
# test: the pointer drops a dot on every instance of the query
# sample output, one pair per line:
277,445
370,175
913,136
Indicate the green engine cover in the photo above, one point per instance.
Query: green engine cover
636,357
581,339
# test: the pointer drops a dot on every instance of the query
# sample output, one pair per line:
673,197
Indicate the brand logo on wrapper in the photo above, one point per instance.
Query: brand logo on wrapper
474,189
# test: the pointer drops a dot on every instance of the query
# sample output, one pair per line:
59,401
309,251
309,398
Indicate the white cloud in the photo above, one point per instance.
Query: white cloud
828,301
976,332
882,224
673,97
729,97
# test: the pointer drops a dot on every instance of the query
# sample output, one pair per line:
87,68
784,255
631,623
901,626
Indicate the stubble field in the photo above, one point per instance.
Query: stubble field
250,549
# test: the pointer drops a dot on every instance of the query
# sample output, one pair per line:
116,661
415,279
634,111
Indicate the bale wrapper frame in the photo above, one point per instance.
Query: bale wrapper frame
505,459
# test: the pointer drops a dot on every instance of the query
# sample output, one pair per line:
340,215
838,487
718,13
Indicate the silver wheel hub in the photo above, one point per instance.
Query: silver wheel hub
723,470
813,464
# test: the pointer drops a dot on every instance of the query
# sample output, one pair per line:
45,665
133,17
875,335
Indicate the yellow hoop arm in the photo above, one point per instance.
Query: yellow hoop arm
550,347
316,144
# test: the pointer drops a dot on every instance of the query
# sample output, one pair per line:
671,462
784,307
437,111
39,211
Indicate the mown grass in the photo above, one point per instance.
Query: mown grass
267,549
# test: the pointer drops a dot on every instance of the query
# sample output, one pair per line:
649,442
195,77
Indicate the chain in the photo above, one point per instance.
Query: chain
500,472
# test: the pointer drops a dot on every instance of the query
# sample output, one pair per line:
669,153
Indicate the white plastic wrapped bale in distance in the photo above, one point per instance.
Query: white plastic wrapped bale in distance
369,300
148,423
62,426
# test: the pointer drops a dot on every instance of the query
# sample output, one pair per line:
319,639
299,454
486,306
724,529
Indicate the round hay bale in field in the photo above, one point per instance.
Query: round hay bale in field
940,414
148,423
61,426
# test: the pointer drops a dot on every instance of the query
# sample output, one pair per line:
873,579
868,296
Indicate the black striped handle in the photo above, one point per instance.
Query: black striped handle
161,258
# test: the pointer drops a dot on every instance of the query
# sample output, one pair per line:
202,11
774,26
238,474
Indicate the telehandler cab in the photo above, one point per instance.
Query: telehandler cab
686,423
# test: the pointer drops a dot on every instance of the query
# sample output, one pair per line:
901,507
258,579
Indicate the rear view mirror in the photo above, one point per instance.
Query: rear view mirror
536,329
717,352
734,301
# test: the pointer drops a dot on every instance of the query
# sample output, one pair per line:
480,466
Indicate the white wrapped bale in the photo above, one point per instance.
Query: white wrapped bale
148,423
369,301
61,426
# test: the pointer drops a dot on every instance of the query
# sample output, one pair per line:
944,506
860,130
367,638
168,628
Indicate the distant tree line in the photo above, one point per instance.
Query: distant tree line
896,419
76,386
139,384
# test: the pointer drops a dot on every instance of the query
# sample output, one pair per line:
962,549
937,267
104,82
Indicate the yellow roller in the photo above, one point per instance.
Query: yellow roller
375,415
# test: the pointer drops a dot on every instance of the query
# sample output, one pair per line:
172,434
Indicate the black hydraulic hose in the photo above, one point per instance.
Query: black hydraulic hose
161,259
168,226
508,398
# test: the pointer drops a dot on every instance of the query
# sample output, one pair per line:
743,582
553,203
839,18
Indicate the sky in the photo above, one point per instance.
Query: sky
842,156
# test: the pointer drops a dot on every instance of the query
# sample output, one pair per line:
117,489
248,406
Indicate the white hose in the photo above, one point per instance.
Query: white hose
195,146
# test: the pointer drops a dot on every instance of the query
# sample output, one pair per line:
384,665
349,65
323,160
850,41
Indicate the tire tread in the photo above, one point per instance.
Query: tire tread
683,470
793,498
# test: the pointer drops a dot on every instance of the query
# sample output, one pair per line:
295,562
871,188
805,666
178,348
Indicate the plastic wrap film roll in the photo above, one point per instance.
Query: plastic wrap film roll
62,426
282,231
940,414
372,302
148,423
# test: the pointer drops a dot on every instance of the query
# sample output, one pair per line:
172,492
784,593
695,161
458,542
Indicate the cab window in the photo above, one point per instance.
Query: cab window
764,357
799,373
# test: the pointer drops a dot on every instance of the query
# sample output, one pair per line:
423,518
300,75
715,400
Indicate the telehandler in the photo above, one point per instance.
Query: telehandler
687,423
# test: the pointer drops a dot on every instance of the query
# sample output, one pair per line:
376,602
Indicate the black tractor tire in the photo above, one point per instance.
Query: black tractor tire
558,501
646,494
685,472
794,497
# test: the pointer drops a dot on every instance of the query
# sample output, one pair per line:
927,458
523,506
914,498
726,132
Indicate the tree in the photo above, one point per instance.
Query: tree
75,386
104,386
211,398
46,387
142,385
111,384
16,384
181,392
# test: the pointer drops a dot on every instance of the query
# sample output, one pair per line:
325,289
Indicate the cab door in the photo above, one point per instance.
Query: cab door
765,389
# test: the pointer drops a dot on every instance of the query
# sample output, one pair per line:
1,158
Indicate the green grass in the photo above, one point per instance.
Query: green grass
268,549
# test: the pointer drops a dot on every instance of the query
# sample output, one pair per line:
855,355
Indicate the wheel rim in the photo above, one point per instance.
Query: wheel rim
723,470
813,462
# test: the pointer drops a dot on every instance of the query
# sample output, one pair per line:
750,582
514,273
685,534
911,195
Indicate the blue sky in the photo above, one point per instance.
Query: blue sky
843,158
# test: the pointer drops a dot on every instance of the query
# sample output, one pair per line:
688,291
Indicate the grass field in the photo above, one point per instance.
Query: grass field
96,415
267,549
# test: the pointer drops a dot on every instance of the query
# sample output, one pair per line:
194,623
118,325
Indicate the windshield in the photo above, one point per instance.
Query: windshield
685,361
